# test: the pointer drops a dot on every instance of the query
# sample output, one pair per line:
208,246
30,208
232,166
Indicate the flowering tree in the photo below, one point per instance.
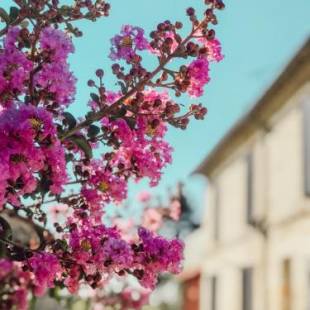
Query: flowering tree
46,154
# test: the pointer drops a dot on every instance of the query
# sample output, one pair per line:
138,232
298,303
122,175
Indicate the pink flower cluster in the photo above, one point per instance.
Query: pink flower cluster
214,49
37,274
155,255
14,68
14,285
46,268
28,146
56,43
129,298
39,140
139,150
55,76
99,249
127,43
103,186
199,76
199,68
142,150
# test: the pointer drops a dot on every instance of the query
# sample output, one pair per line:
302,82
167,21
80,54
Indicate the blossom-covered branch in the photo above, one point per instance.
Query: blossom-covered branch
47,158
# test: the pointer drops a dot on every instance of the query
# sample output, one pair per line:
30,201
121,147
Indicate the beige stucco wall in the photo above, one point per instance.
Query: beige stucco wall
279,199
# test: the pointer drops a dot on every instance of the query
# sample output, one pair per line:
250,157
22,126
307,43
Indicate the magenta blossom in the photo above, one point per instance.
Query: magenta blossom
127,43
14,68
56,43
28,145
199,76
46,268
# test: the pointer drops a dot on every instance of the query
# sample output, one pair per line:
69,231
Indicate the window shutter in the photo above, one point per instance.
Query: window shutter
306,132
247,289
216,213
249,188
286,289
213,294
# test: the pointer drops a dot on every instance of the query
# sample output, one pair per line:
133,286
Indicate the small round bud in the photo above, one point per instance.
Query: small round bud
211,34
116,68
220,5
91,83
99,73
190,11
155,123
178,25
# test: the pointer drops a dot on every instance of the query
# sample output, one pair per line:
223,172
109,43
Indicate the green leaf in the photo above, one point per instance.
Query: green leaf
82,144
65,10
14,11
123,87
32,304
55,293
4,16
90,115
70,27
69,157
70,119
24,24
63,244
95,97
44,185
130,122
93,131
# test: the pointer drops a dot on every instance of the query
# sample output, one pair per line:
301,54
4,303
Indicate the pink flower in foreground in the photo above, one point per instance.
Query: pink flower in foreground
199,76
158,255
5,268
14,68
57,79
45,268
104,186
29,145
57,43
125,45
17,296
143,152
55,76
214,49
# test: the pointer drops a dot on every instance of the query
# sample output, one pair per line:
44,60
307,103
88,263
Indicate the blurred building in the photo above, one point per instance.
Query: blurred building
253,249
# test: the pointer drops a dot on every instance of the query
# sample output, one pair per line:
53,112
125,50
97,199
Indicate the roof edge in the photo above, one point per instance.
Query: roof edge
294,75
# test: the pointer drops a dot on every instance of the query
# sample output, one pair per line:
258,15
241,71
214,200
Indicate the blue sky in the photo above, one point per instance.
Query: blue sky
258,38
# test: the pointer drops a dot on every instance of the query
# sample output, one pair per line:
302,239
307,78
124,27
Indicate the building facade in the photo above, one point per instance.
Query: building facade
255,236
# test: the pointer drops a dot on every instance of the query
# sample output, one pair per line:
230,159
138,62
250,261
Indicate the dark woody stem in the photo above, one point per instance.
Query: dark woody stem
100,114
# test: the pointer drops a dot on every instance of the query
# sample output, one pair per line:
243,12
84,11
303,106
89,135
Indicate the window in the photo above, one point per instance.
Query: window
307,274
306,130
286,288
213,293
247,289
249,188
216,219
